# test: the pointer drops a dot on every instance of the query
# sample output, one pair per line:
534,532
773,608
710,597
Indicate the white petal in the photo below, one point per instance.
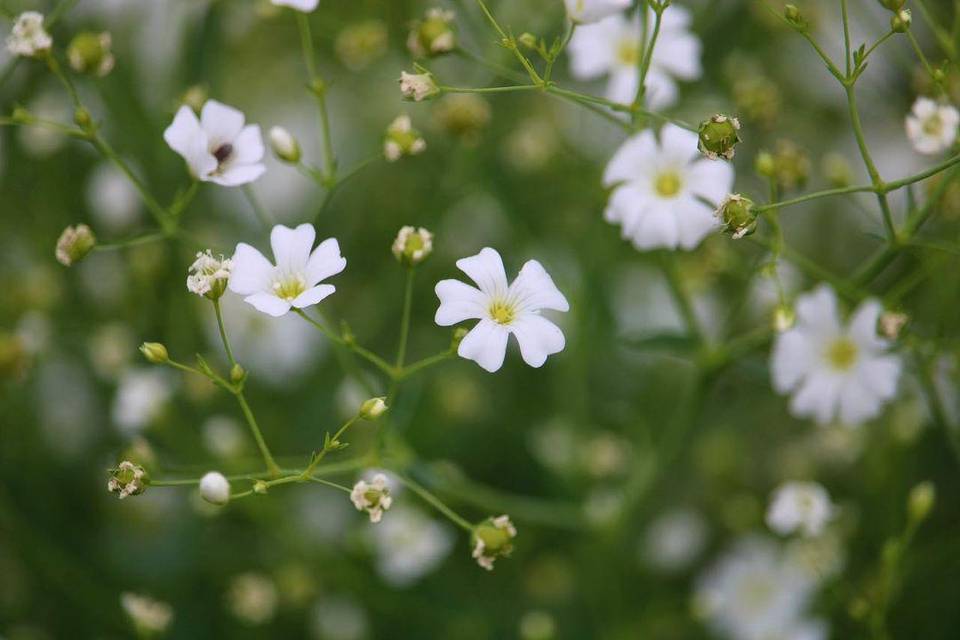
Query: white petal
268,303
486,269
817,398
325,261
792,359
459,302
857,404
622,85
533,289
251,273
656,228
695,221
485,344
661,91
678,55
238,174
678,146
248,146
592,48
305,6
185,136
711,180
880,375
632,160
587,11
537,337
291,247
862,328
221,123
817,310
313,295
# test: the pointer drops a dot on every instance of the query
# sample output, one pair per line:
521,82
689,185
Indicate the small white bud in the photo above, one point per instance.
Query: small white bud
373,408
284,145
215,488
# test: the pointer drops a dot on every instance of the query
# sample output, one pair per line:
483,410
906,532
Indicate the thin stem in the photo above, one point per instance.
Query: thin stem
319,89
223,333
434,501
405,318
265,218
323,452
272,467
647,57
511,44
846,37
923,59
506,89
366,354
868,161
681,298
131,242
420,365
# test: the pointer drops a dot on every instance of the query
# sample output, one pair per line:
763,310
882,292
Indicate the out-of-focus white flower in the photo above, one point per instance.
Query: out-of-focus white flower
502,309
28,37
659,187
112,199
402,139
834,371
613,45
218,147
215,488
372,497
253,598
409,545
141,396
674,540
150,617
587,11
493,539
932,127
754,593
209,275
799,506
339,618
305,6
223,437
434,35
417,86
294,282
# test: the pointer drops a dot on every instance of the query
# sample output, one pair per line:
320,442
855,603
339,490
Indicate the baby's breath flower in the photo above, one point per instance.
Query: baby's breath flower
932,127
418,86
412,246
74,243
718,137
128,479
90,53
150,617
252,597
588,11
402,139
373,408
434,35
492,539
800,506
737,215
306,6
215,488
284,145
154,352
208,275
28,37
372,497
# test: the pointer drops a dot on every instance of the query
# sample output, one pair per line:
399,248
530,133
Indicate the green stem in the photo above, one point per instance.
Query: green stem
272,467
420,365
405,318
434,501
262,215
868,161
223,333
366,354
647,58
668,264
323,452
319,89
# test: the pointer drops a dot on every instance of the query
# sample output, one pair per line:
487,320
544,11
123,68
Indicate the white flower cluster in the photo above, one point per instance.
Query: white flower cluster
208,273
28,37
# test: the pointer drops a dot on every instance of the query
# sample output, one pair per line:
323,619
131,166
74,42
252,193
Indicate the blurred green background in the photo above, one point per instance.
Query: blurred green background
569,450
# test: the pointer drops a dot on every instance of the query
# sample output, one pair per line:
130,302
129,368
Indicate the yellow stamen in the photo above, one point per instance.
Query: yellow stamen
668,184
842,354
502,312
290,287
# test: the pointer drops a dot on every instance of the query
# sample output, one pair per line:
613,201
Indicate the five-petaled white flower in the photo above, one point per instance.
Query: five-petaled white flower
295,279
587,11
613,45
834,371
502,309
217,147
800,506
660,188
932,127
372,497
28,37
300,5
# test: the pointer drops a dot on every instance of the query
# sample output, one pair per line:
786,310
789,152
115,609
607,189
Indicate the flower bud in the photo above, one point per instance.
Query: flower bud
718,137
237,374
195,97
791,165
260,487
492,539
922,499
900,22
402,139
891,323
418,86
28,38
83,119
458,335
74,243
412,246
284,145
215,488
373,408
837,170
128,479
783,318
154,352
793,16
434,35
373,497
528,40
90,53
360,45
737,215
765,165
463,115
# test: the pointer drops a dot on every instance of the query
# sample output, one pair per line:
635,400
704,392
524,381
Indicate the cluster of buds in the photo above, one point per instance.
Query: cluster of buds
418,86
718,137
128,479
434,35
28,37
74,243
737,215
402,139
492,539
284,145
91,53
412,246
208,275
372,497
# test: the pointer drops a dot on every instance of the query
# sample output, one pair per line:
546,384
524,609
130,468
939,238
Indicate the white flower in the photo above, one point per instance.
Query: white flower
215,488
834,371
492,539
28,37
253,598
409,545
295,279
208,274
660,188
305,6
150,616
417,86
803,506
217,147
674,540
373,497
932,127
412,245
502,309
141,396
612,47
587,11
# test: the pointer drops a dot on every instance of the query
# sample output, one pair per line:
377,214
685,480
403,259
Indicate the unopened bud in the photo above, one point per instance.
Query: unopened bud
458,335
900,22
91,53
793,16
765,165
893,5
783,318
434,35
373,408
215,488
418,86
82,118
528,40
74,243
412,246
284,145
737,215
237,374
718,137
154,352
260,487
922,499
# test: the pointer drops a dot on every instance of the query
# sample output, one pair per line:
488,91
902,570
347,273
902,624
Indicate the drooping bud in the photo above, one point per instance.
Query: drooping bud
128,479
718,137
412,246
28,38
922,499
372,497
418,86
434,35
492,539
154,352
284,145
737,215
74,243
402,139
900,22
91,53
215,488
373,408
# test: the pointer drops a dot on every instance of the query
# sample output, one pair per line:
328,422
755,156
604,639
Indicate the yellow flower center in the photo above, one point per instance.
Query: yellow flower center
842,354
628,52
668,184
289,287
502,312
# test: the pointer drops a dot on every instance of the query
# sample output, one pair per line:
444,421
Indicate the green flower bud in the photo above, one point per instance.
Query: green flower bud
237,374
492,539
528,40
360,45
90,53
737,215
412,246
718,137
458,335
900,22
83,119
765,165
793,16
260,487
128,479
284,145
791,166
154,352
74,243
373,408
434,35
922,499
